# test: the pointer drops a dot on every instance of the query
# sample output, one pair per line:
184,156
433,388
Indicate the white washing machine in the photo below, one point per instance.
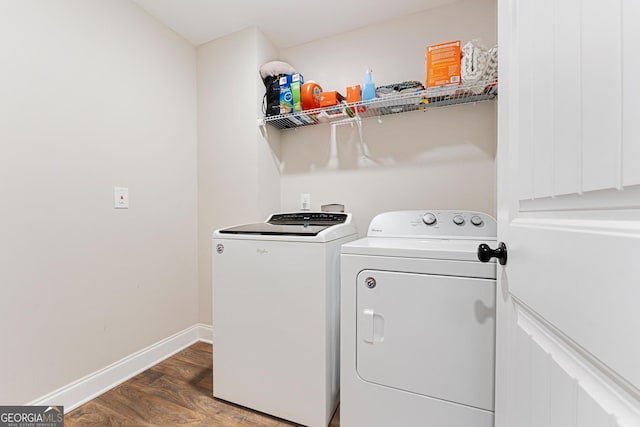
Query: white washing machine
418,322
276,296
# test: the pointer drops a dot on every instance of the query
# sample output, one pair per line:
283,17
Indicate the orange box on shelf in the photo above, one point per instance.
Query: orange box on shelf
443,64
329,99
353,93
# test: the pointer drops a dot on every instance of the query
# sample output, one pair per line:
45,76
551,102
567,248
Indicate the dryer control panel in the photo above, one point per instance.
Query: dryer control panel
434,224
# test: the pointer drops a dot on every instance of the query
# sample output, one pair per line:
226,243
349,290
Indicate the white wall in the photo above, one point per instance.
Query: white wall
93,94
238,176
441,159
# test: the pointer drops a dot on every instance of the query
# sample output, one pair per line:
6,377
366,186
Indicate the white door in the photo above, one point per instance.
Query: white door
568,309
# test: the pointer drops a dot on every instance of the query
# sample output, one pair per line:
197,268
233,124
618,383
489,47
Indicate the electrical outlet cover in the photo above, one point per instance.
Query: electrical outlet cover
121,198
305,201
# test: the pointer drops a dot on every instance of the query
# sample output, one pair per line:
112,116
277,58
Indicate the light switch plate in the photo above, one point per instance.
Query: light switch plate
121,197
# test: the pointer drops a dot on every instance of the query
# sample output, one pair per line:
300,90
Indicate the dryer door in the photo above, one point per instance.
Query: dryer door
427,334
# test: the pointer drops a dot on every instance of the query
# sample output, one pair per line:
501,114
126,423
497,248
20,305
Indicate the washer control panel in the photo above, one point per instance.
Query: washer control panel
442,224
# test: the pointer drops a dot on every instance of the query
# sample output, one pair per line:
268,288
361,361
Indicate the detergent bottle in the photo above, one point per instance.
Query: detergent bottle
369,89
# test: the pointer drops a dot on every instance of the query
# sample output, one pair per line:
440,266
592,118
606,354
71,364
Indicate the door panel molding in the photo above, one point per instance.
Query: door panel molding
618,228
612,199
564,384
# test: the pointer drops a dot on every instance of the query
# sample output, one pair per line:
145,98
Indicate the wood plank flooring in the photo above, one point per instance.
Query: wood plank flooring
175,392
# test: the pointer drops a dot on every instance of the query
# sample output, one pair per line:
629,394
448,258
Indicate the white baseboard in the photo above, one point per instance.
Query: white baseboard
91,386
205,332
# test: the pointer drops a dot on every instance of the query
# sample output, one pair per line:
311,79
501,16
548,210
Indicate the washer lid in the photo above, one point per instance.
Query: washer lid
291,224
444,249
266,229
294,227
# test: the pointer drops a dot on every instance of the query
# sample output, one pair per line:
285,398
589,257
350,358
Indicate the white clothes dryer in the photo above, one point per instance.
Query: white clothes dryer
418,322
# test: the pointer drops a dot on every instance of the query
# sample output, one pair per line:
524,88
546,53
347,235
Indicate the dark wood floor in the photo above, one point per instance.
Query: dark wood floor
175,392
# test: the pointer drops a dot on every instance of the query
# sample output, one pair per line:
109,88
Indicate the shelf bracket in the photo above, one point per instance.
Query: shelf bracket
262,125
358,120
363,148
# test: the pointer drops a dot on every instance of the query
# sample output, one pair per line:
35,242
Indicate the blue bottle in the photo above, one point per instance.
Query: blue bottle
369,89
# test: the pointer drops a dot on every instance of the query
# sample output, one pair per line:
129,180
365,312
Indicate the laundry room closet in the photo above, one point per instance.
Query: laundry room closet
440,158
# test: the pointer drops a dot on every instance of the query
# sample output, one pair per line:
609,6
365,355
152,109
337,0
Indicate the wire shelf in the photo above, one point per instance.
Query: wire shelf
390,104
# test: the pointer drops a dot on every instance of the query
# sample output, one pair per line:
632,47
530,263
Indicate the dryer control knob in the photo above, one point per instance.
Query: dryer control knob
458,220
429,219
476,220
